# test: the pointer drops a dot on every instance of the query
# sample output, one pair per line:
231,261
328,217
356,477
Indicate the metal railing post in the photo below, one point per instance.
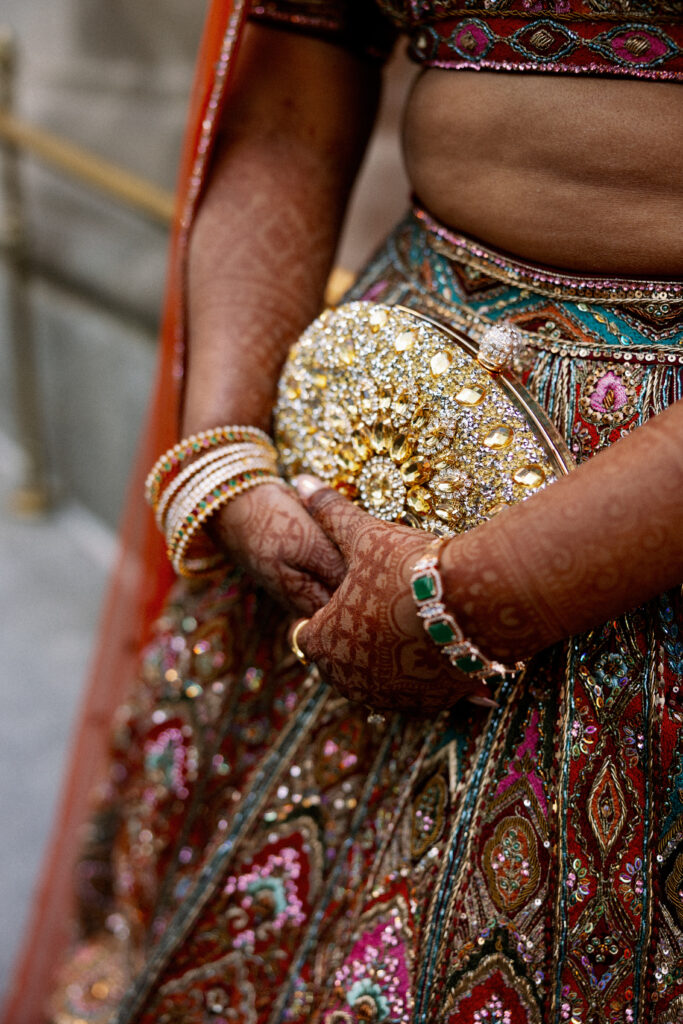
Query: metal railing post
32,496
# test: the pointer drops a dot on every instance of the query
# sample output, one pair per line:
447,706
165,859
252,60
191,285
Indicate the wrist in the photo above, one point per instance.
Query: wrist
197,477
441,625
485,579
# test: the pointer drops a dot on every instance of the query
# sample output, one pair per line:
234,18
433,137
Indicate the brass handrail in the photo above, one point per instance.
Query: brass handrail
33,496
150,199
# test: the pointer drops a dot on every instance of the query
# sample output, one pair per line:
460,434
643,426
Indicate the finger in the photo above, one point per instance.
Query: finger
325,562
300,591
336,515
483,702
309,597
308,631
481,696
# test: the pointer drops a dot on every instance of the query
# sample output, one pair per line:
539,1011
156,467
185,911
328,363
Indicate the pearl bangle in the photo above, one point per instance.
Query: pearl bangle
215,457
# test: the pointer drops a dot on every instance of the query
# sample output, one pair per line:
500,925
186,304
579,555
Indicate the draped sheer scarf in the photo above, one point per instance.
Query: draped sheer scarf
142,576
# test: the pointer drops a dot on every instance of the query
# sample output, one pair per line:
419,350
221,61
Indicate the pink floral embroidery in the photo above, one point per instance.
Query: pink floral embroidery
269,896
376,978
526,753
610,393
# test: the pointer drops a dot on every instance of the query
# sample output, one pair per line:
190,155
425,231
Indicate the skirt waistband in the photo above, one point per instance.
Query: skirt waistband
542,280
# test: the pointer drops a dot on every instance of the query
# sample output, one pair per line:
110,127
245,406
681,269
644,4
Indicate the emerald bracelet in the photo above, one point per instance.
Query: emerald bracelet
442,628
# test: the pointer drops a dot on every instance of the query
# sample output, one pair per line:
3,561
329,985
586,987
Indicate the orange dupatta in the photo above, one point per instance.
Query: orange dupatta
143,574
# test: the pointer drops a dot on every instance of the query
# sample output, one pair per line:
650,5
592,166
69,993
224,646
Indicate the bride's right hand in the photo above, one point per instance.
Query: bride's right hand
269,532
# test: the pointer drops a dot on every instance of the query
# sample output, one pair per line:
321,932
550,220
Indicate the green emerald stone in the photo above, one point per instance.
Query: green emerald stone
468,663
424,588
441,631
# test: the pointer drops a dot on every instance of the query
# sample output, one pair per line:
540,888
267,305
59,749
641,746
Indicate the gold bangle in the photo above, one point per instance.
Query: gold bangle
199,487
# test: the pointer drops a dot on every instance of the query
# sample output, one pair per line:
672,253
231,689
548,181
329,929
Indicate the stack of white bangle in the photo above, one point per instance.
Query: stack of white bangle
238,459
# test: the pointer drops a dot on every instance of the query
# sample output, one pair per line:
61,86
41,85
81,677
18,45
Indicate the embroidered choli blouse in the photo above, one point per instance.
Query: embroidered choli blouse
626,38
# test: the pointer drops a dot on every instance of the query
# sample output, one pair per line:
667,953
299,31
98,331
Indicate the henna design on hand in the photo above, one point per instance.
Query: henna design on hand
268,531
368,641
586,549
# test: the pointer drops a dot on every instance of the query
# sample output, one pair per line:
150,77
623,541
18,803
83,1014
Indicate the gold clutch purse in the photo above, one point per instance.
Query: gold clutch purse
411,420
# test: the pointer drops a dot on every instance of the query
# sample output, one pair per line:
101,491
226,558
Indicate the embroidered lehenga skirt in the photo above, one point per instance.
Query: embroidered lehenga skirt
262,853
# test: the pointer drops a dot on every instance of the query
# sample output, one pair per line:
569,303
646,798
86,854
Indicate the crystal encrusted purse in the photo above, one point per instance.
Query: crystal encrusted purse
407,417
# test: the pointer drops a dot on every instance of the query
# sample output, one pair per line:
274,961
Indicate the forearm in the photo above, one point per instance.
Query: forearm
259,260
584,550
266,232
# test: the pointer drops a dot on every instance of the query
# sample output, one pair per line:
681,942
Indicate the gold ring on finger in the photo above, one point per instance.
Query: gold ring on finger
294,641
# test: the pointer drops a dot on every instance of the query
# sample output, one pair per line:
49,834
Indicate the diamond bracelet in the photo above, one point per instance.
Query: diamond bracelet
441,627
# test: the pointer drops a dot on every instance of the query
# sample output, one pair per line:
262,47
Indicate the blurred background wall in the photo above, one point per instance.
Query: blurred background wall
111,76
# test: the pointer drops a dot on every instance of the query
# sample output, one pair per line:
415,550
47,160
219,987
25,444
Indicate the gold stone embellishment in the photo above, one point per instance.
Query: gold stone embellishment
404,341
441,362
397,414
470,396
498,438
529,476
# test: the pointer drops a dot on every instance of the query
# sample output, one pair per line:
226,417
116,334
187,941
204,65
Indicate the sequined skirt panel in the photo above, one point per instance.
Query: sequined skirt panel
263,854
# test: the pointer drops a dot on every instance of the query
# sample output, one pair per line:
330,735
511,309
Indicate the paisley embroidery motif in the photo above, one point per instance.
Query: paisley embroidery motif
674,887
608,396
374,983
511,863
606,809
428,816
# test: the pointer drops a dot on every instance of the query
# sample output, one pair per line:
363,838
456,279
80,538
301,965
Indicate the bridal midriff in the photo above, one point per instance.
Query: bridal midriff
582,173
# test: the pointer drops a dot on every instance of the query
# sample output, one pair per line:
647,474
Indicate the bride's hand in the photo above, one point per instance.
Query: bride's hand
368,641
269,532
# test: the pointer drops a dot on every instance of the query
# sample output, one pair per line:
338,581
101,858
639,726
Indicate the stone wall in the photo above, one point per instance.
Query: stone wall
113,77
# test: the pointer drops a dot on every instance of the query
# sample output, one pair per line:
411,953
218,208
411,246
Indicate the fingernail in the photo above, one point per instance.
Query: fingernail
484,702
306,485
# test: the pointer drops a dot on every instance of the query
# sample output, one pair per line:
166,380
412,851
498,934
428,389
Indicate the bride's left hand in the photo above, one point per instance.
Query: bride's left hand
368,641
